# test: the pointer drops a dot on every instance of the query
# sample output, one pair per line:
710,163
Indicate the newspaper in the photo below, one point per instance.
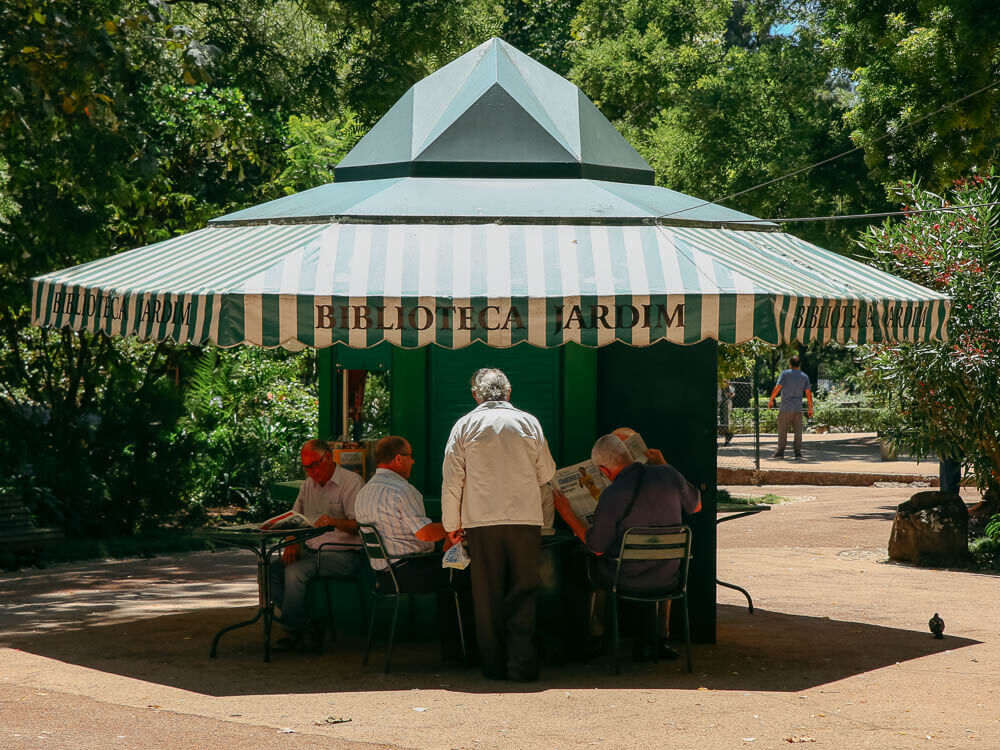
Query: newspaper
287,520
637,447
583,483
280,522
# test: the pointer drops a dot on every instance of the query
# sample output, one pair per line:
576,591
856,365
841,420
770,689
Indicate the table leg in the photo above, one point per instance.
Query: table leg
740,589
215,641
265,609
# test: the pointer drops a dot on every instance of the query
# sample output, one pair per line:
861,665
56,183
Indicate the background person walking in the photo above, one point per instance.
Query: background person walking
792,385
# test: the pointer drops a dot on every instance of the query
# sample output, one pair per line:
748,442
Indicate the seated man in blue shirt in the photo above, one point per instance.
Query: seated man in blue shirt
396,509
650,495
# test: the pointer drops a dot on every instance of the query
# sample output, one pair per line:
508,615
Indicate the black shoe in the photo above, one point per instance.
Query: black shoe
644,652
729,439
495,674
665,651
291,642
522,670
778,454
798,455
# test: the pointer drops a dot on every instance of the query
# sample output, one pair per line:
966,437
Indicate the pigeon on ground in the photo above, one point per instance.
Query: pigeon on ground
936,624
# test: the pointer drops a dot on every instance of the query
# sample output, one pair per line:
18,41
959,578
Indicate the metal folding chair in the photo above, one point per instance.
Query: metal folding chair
371,542
650,543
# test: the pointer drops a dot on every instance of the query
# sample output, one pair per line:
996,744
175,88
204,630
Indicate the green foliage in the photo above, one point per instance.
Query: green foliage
315,147
541,29
908,60
375,407
717,103
992,531
837,418
248,414
737,361
948,392
94,452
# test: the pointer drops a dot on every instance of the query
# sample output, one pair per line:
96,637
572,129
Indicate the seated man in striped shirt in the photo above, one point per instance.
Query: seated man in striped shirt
396,508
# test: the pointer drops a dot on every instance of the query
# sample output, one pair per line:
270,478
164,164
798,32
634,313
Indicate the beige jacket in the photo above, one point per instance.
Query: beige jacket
495,460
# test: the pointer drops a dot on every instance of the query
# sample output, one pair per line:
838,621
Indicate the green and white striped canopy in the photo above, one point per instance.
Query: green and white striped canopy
413,284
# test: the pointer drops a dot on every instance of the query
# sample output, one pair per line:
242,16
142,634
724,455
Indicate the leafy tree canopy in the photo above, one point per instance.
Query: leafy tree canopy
718,102
908,59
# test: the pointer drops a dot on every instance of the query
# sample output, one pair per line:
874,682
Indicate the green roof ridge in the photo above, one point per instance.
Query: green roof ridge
494,112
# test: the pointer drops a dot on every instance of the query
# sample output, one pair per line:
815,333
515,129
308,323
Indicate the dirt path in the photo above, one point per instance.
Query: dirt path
837,652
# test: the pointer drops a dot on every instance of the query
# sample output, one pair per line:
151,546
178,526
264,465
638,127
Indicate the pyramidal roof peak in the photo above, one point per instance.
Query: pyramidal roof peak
494,112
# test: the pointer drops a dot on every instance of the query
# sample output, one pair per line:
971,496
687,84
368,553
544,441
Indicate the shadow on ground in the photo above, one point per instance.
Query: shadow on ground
768,651
884,513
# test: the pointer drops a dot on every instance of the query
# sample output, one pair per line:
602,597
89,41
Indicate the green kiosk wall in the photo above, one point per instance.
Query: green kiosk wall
665,391
430,391
668,393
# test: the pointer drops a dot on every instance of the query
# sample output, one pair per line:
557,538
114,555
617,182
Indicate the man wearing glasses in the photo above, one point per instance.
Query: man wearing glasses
326,498
396,508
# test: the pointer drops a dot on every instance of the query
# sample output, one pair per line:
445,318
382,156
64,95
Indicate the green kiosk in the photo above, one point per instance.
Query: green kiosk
494,217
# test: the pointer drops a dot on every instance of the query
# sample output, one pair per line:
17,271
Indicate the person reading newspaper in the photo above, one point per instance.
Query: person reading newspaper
326,498
582,484
651,494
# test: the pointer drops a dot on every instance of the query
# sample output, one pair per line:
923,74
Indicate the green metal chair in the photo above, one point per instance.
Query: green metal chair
650,543
371,542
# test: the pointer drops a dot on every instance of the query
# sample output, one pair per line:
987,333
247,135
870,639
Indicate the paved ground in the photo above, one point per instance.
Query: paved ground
114,655
846,453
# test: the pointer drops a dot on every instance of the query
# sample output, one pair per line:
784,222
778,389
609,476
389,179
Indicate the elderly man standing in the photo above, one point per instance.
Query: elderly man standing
495,460
326,498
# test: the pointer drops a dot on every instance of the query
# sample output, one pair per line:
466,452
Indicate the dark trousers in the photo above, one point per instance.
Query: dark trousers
505,580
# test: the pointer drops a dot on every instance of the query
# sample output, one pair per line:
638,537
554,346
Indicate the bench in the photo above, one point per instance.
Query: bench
18,535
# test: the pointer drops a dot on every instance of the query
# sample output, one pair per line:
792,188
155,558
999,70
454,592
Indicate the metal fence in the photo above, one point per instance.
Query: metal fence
738,424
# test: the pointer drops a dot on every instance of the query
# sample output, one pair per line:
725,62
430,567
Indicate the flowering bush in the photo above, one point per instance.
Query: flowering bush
948,392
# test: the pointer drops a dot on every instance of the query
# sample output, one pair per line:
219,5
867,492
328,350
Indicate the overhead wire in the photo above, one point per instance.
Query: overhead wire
880,214
829,159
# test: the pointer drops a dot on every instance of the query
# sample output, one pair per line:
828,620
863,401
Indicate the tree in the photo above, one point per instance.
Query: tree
541,29
948,393
718,102
907,60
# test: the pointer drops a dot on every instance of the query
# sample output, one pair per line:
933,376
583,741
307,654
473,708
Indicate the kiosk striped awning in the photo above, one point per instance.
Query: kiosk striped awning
313,285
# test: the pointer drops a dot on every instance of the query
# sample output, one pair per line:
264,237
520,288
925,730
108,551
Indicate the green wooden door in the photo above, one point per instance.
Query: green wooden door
535,387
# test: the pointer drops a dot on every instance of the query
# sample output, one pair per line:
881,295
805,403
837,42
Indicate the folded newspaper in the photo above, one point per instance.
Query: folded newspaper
289,520
280,522
583,483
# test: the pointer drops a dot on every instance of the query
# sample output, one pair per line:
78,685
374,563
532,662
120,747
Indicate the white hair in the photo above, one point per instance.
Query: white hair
490,384
610,451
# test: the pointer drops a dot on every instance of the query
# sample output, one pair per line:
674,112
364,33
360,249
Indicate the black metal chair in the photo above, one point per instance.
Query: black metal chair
323,580
649,543
387,586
